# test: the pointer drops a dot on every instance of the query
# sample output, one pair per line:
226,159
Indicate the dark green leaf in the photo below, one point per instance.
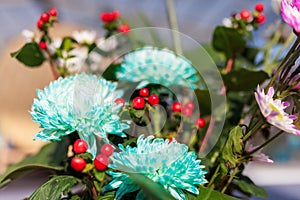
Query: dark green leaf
54,188
243,79
107,196
151,189
251,188
208,194
109,73
30,55
49,157
250,53
228,40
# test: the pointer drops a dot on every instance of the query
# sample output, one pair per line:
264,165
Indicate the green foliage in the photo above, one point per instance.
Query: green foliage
49,158
151,189
232,148
30,55
55,188
229,41
248,187
207,194
107,196
243,79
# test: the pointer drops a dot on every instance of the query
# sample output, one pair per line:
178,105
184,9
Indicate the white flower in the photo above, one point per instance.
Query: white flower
76,63
29,35
273,111
108,44
227,22
55,44
84,36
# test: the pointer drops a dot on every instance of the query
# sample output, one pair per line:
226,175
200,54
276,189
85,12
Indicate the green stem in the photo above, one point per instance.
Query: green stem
210,184
236,170
253,130
174,25
267,142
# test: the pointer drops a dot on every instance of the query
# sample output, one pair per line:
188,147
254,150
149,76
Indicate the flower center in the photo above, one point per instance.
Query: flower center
277,111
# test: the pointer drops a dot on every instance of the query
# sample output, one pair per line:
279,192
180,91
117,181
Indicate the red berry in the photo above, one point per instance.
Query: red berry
120,101
261,18
200,122
138,103
78,164
190,105
259,7
107,150
245,14
43,45
153,99
187,111
124,28
39,24
144,92
176,107
101,162
107,17
45,17
53,12
80,146
115,14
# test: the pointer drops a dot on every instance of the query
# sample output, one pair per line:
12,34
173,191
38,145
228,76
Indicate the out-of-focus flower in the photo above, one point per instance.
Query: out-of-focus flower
159,66
257,156
167,163
107,44
29,36
82,103
55,44
84,36
273,111
290,12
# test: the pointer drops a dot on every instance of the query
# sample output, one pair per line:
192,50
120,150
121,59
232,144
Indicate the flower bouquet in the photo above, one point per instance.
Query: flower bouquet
133,115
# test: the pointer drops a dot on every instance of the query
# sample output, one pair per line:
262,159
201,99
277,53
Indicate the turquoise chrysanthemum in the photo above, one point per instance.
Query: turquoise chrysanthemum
158,66
82,103
167,163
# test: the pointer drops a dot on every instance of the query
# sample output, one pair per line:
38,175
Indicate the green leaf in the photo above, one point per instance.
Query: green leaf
99,175
54,188
107,196
250,188
151,189
243,79
67,44
109,73
207,194
49,157
30,55
228,40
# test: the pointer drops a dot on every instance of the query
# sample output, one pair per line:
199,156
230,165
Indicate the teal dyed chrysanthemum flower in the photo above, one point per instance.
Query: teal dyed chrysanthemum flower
82,103
167,163
159,66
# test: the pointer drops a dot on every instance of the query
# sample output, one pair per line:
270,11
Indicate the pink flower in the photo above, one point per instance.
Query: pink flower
258,156
290,12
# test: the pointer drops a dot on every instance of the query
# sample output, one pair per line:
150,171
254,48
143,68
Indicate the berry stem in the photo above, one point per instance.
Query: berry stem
174,25
207,134
52,66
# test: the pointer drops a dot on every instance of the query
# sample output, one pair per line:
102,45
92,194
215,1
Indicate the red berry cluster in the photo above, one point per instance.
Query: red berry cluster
45,21
245,20
100,162
139,102
112,23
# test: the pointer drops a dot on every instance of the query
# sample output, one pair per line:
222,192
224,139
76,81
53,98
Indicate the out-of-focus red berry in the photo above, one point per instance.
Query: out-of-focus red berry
107,150
124,28
45,17
39,24
176,107
53,12
107,17
80,146
153,99
245,14
43,45
200,122
261,18
259,7
120,101
187,111
101,162
78,164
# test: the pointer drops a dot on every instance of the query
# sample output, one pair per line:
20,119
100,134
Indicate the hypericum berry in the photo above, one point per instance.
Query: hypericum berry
39,24
259,7
187,111
200,122
45,17
80,146
78,164
107,149
153,99
190,105
138,103
120,101
261,18
107,17
176,107
245,14
53,12
124,28
101,162
144,92
43,45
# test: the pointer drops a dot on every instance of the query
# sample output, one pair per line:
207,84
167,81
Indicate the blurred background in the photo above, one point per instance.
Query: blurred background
196,18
